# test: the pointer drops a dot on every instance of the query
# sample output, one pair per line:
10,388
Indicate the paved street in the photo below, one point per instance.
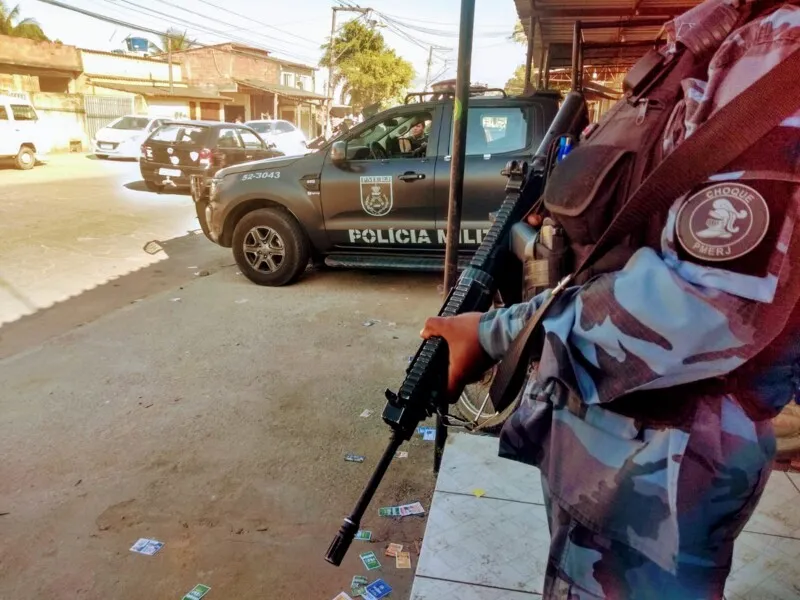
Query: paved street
211,414
76,223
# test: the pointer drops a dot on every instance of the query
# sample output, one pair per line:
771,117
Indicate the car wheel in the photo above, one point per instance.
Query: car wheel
152,186
26,159
270,247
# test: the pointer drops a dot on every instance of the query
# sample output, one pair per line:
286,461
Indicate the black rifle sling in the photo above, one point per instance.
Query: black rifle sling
727,134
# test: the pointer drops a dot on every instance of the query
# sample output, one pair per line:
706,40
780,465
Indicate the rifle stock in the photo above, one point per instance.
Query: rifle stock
423,391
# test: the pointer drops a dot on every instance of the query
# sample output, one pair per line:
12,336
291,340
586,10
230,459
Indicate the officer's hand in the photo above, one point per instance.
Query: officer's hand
468,361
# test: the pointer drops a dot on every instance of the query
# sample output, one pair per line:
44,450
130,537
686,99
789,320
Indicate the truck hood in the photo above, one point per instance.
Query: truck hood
259,165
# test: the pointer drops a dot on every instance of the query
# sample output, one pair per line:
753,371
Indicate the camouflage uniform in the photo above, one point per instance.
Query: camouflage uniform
646,501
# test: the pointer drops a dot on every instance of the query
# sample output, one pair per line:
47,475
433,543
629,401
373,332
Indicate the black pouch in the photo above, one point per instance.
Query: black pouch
583,194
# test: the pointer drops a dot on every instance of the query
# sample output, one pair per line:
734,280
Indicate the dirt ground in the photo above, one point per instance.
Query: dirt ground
212,415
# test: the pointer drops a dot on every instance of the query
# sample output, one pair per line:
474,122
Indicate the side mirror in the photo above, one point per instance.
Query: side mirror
339,152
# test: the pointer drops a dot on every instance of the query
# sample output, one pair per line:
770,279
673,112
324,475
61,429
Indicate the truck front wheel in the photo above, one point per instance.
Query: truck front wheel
270,247
25,159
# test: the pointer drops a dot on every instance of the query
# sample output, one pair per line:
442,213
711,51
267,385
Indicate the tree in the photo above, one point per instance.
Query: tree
175,40
11,24
518,35
365,67
516,85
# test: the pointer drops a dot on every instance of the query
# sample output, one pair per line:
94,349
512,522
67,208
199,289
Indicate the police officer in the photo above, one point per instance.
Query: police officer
418,139
649,507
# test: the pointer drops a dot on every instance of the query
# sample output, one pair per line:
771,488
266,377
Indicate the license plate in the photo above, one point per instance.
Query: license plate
170,172
106,146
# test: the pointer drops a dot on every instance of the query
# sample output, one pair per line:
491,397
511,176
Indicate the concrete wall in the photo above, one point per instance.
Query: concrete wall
43,55
173,109
63,117
119,65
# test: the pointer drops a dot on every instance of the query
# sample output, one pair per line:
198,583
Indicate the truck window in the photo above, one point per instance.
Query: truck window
497,130
23,112
400,136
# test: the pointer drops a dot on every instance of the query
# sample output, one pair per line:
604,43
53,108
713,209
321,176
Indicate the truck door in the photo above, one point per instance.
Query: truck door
496,133
381,195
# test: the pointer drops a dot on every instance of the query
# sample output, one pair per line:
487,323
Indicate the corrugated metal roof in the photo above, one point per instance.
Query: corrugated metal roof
151,91
556,19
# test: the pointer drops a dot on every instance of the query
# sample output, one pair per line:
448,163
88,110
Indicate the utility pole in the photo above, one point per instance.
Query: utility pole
329,99
428,71
169,62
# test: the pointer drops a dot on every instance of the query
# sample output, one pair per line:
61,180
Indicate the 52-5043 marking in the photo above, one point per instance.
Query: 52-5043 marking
262,175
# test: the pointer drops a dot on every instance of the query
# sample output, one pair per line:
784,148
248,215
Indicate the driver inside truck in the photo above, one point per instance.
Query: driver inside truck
417,139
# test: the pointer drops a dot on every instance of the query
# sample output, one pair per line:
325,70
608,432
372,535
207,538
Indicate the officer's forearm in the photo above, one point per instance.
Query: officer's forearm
499,327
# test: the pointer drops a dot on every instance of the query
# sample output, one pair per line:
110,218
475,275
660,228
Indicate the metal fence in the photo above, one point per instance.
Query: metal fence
101,110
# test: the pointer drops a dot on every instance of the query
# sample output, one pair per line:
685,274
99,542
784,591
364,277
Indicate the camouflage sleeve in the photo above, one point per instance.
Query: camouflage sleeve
499,327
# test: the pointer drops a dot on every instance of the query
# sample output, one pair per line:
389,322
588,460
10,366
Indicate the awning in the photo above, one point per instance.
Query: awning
631,27
150,91
280,90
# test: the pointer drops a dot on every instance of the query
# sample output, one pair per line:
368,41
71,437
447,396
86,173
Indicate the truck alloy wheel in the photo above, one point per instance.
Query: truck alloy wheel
263,249
270,247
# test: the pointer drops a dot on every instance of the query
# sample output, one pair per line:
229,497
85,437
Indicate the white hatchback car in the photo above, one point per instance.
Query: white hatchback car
123,137
22,136
286,137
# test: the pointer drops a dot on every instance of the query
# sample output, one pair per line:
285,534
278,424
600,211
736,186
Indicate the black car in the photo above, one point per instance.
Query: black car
376,196
176,151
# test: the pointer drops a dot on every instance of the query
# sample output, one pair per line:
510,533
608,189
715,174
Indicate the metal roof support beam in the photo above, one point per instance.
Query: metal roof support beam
546,65
542,60
609,45
577,57
529,55
624,23
584,13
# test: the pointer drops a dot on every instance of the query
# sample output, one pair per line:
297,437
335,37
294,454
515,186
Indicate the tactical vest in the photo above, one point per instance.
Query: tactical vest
588,188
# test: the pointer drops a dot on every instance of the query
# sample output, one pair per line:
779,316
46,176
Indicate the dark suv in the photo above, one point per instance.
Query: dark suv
176,151
375,196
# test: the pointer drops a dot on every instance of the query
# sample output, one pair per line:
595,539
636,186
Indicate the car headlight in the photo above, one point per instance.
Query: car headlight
214,186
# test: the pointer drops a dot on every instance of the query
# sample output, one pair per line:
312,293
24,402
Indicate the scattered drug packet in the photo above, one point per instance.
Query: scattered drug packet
146,546
403,560
378,589
364,536
197,592
359,580
355,458
401,454
370,561
359,590
365,414
342,596
479,492
428,433
389,511
393,549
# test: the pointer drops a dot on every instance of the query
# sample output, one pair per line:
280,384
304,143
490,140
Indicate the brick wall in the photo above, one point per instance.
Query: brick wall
218,67
46,55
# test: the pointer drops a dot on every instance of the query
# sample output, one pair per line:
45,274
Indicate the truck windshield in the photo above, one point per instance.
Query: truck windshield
130,123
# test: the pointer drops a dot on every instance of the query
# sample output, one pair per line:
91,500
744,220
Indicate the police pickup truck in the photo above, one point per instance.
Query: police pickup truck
375,196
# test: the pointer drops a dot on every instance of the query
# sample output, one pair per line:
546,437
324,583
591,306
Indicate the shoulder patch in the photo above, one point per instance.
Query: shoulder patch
722,222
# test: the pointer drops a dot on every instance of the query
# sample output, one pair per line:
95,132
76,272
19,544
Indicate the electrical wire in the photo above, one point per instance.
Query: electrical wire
180,21
134,26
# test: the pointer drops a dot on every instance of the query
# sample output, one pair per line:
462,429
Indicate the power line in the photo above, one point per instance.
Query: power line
129,25
200,27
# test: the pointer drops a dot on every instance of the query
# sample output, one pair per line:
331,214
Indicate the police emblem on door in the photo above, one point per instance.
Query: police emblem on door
376,195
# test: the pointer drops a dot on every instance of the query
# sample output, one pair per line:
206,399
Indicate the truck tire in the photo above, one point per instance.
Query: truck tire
25,159
270,247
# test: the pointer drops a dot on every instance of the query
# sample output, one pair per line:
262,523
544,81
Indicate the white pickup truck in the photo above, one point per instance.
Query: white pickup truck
22,137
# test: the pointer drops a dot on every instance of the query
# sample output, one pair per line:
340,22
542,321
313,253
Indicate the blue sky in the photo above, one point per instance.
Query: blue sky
294,29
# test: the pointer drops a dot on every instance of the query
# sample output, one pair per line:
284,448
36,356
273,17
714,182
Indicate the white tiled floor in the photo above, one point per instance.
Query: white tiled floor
496,546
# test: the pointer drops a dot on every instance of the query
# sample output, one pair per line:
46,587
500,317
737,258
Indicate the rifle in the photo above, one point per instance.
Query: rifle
423,392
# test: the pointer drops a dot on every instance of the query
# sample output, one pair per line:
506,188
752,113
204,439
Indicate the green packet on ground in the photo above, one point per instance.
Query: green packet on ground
197,592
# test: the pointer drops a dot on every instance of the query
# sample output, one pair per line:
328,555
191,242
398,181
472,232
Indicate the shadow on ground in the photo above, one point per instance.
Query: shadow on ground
178,255
140,186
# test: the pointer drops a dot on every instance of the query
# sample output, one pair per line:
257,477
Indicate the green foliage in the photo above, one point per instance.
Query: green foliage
176,40
516,85
366,68
518,35
11,24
